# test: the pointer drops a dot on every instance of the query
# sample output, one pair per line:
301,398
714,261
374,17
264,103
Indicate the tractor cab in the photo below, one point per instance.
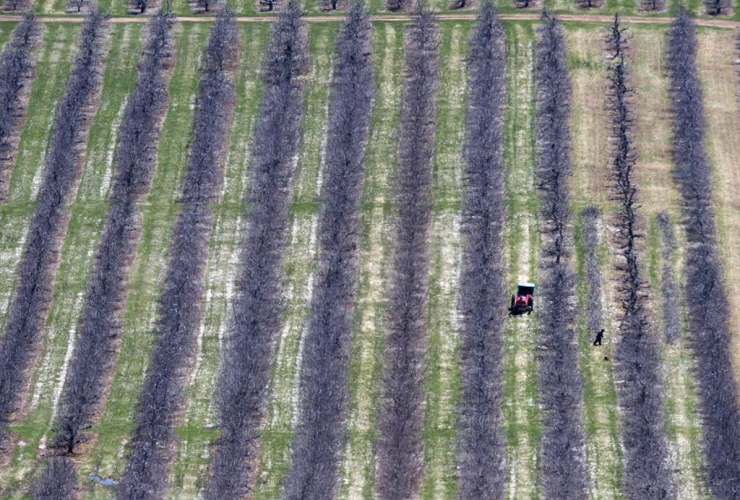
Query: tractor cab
523,301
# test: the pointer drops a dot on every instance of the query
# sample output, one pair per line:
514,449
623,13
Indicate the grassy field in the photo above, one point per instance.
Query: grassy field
106,455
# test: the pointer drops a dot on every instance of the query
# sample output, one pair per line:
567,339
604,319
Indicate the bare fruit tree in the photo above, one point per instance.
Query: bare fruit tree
669,289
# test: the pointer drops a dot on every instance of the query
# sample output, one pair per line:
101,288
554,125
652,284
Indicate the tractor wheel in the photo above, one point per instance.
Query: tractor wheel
513,298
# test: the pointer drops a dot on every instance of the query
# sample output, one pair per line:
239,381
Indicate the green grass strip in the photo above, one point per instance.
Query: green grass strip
521,414
443,357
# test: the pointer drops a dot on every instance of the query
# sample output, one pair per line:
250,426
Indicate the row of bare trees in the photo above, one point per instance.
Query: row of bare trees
94,354
324,369
400,447
706,296
646,472
162,395
669,289
481,449
242,385
561,388
38,265
16,72
590,240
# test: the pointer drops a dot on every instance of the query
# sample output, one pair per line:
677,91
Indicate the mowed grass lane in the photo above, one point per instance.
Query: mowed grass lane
108,457
521,412
445,251
78,253
198,427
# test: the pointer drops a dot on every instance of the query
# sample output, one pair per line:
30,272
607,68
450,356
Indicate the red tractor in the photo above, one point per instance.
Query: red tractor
523,301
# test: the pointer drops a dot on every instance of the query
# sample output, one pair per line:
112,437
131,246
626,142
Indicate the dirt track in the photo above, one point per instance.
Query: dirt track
593,18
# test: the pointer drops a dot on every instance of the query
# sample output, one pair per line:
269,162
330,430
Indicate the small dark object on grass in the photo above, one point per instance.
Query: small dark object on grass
599,337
